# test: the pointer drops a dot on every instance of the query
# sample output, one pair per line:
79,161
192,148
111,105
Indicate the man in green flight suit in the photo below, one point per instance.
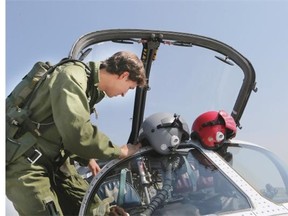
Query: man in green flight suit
43,181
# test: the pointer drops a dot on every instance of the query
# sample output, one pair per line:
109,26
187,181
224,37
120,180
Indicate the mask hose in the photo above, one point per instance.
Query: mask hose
172,164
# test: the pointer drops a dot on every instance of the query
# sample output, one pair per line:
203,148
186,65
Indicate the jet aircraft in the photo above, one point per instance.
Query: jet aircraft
186,178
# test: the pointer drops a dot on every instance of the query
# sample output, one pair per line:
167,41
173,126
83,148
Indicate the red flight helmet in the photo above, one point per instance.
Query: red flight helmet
212,128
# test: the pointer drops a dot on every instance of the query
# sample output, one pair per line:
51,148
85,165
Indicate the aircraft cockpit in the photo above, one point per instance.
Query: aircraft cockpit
192,181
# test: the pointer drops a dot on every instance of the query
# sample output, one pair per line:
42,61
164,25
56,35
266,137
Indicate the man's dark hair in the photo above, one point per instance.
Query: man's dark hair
126,61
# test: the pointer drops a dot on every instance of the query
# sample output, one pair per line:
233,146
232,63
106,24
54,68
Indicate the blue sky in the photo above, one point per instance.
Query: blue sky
45,30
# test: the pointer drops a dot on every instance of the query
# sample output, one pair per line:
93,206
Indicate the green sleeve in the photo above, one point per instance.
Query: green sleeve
71,114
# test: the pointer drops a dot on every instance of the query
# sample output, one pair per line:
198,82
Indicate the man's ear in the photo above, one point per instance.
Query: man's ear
124,75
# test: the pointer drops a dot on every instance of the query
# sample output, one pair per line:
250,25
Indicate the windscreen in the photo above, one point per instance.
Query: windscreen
262,169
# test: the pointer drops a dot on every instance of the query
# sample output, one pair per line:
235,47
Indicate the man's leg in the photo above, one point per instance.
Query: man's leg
71,188
29,188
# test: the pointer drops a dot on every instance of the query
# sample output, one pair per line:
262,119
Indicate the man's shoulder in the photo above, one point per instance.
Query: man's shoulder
74,72
73,68
74,65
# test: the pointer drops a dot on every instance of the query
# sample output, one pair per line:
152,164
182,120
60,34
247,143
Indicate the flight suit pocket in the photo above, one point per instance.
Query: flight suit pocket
17,147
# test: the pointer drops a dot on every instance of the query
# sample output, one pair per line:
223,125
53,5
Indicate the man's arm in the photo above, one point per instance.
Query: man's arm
71,114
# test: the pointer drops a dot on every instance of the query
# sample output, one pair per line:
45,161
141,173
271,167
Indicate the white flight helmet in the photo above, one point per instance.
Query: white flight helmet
164,132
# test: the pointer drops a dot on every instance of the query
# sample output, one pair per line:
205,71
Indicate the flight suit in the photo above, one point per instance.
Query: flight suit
63,98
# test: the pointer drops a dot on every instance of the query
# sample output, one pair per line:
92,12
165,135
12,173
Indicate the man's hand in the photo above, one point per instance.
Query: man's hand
117,211
104,208
93,166
129,149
